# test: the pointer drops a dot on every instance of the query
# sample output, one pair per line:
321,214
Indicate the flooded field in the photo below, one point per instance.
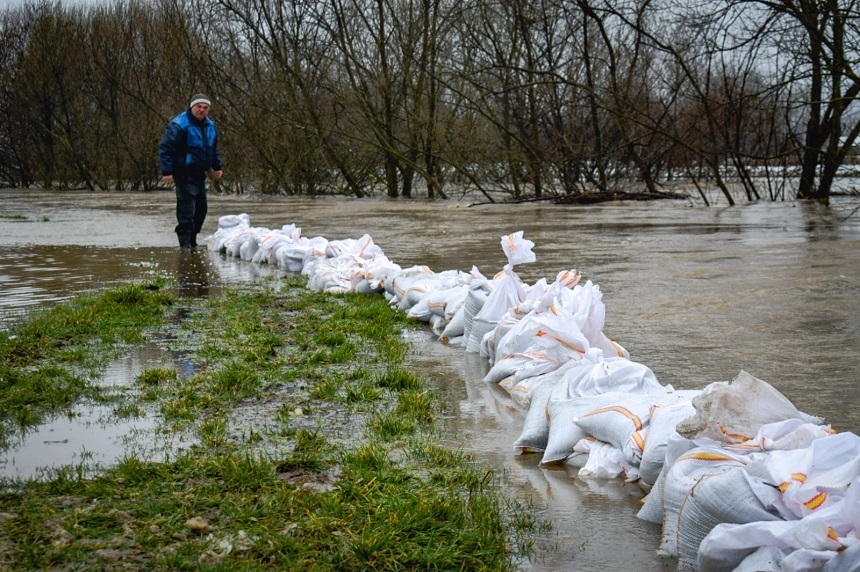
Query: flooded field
696,294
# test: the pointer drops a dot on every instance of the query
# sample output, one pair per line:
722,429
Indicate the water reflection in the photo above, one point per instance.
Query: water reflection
192,273
91,435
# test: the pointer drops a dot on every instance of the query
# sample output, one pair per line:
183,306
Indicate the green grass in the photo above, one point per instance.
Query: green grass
301,488
48,360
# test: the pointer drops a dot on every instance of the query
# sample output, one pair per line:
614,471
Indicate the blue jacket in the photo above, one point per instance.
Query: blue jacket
189,147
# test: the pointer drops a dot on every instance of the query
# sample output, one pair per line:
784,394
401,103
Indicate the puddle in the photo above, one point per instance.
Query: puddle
90,436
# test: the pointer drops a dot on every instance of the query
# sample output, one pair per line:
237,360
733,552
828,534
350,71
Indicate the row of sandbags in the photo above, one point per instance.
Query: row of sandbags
738,478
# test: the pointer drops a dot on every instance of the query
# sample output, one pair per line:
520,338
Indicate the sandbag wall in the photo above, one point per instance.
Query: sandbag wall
738,478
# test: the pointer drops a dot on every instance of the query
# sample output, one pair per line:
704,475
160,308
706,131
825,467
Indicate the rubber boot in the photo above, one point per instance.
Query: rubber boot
194,240
184,240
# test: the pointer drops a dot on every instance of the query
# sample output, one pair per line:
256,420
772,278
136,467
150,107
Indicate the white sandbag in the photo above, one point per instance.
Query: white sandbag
733,412
292,256
314,252
420,311
422,292
438,301
681,479
415,292
272,241
604,461
455,327
365,286
363,247
235,241
437,324
507,293
475,300
379,271
616,423
718,498
521,389
583,305
230,221
782,436
432,293
765,559
847,560
250,246
608,374
528,364
652,504
809,544
807,560
517,249
812,479
660,427
335,275
592,375
535,433
490,341
456,341
564,433
400,283
480,328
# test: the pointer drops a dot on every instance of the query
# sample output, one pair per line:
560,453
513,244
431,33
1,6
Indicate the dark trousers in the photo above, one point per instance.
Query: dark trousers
191,208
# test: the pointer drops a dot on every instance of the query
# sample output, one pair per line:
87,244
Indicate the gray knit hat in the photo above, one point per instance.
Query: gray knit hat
199,98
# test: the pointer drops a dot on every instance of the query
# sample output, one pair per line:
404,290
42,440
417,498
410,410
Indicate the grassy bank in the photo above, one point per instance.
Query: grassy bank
313,448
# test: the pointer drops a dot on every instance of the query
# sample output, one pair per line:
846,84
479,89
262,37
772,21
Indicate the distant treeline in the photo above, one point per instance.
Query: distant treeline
529,98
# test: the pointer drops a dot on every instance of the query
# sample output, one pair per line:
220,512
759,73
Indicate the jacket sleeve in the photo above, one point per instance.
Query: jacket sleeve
216,156
167,150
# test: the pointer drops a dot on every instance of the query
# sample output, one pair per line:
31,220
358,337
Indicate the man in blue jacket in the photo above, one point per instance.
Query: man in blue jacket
188,149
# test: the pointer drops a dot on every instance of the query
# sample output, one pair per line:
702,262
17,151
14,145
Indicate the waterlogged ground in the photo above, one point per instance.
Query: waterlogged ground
343,473
696,294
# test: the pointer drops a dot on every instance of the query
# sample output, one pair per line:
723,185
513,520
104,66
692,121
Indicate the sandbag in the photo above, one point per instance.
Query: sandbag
456,325
680,480
604,460
813,479
765,559
521,389
230,221
528,364
535,433
846,561
660,427
732,412
475,300
508,291
807,544
715,498
594,375
564,433
652,504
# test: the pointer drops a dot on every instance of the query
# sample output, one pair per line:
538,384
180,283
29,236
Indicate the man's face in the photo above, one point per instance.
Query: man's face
200,111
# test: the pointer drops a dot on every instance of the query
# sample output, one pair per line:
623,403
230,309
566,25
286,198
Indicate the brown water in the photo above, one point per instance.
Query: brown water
696,294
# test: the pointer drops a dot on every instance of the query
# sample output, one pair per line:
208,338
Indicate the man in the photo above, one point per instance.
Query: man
188,149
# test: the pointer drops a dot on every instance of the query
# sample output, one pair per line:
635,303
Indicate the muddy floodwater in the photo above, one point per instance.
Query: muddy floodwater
697,294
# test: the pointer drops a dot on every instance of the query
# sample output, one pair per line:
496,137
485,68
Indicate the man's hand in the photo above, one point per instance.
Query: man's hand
168,179
218,174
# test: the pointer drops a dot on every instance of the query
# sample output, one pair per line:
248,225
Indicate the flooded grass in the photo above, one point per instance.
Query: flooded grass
313,447
48,362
